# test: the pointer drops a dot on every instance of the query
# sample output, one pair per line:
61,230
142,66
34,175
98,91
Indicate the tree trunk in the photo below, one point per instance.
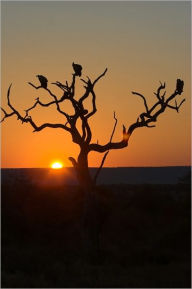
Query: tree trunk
90,210
83,174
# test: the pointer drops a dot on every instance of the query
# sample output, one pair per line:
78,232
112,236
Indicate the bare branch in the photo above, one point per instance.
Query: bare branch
147,118
56,101
100,76
51,125
162,86
47,89
181,103
176,107
178,90
46,105
89,89
94,110
109,146
69,92
60,85
83,130
163,96
113,131
74,163
105,155
84,80
100,168
89,86
6,114
145,102
82,113
147,125
88,131
29,119
36,87
86,94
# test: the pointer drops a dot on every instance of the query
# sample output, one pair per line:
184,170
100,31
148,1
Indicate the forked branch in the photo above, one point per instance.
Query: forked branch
28,119
68,93
106,154
146,118
6,114
144,99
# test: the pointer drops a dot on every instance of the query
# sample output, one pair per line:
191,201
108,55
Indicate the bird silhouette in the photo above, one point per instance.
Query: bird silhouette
77,68
179,86
43,81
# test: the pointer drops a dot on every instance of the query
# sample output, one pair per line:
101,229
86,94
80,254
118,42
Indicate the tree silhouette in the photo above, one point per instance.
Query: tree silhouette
83,136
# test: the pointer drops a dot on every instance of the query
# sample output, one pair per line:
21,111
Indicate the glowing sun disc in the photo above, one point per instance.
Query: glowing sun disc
56,165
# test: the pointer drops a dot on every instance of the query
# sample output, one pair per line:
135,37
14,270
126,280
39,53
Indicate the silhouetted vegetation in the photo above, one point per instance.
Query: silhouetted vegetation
144,233
82,134
119,236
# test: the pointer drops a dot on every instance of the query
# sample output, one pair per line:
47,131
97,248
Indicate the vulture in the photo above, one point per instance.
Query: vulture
179,87
77,68
43,80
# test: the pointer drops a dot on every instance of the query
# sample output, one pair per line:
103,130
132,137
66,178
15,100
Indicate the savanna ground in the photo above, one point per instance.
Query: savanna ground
145,237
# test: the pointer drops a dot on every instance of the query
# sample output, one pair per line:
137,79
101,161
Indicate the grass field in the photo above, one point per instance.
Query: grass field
144,237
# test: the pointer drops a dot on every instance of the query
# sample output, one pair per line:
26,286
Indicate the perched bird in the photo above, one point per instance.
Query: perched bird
179,87
77,68
43,80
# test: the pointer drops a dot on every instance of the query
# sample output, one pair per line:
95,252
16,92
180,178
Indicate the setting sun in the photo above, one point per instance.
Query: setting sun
56,165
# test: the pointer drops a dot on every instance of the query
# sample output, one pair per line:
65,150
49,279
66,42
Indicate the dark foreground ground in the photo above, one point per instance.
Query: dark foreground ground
145,237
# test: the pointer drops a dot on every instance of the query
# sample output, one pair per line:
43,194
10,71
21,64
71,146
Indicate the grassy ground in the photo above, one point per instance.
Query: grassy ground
144,237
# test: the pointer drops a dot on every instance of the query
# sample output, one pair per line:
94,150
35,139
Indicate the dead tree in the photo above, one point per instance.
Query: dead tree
82,137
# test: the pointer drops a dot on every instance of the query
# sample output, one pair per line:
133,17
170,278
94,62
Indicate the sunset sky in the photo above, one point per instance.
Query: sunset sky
141,43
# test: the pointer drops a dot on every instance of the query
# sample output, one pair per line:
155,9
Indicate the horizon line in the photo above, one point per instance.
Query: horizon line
115,167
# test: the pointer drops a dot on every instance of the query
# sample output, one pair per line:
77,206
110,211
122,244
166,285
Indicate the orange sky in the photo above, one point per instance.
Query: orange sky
141,43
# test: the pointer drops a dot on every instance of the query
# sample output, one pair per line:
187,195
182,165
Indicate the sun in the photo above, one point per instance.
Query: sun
57,165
